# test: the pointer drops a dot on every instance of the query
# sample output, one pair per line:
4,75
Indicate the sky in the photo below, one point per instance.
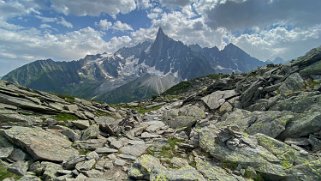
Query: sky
66,30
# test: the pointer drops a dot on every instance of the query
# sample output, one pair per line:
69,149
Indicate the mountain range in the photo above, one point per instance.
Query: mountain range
132,73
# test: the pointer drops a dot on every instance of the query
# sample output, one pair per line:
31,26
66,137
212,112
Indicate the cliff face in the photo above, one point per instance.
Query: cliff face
261,125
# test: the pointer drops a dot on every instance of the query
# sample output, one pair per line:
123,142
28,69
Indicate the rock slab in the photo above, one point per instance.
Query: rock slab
41,144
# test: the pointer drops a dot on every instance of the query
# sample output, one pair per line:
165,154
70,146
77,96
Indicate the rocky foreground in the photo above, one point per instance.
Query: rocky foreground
265,125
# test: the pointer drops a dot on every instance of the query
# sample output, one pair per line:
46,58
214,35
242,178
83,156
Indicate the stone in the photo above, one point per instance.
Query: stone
91,144
41,144
315,143
71,107
14,119
108,124
154,126
127,157
180,122
306,171
297,141
85,165
6,148
115,143
271,123
225,107
149,167
92,155
94,175
29,178
292,84
106,150
192,110
252,93
134,150
89,115
19,168
149,135
213,172
71,162
246,153
303,125
71,134
216,99
81,124
17,155
120,162
50,170
91,132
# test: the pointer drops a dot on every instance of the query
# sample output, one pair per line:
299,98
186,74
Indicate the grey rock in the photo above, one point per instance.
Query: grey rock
29,178
85,165
6,148
17,155
81,124
106,150
71,162
315,142
303,125
134,150
14,119
71,134
41,144
71,108
180,121
91,132
292,84
94,174
149,135
19,168
108,124
154,126
214,172
120,162
251,94
92,155
216,99
50,170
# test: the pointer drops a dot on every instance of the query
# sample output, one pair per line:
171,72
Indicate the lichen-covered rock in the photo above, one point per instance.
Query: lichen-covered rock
271,123
214,172
150,168
245,151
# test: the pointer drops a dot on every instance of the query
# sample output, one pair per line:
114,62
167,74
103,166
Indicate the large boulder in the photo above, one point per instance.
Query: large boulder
218,98
149,168
267,156
271,123
292,84
185,116
303,125
41,144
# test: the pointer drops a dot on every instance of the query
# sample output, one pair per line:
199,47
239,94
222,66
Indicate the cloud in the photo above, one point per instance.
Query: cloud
118,25
175,4
60,20
104,24
90,8
14,8
240,14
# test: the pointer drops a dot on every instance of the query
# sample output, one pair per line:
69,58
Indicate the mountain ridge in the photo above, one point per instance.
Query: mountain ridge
94,76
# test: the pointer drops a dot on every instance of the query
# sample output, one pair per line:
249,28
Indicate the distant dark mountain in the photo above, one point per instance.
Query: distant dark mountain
277,60
132,73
